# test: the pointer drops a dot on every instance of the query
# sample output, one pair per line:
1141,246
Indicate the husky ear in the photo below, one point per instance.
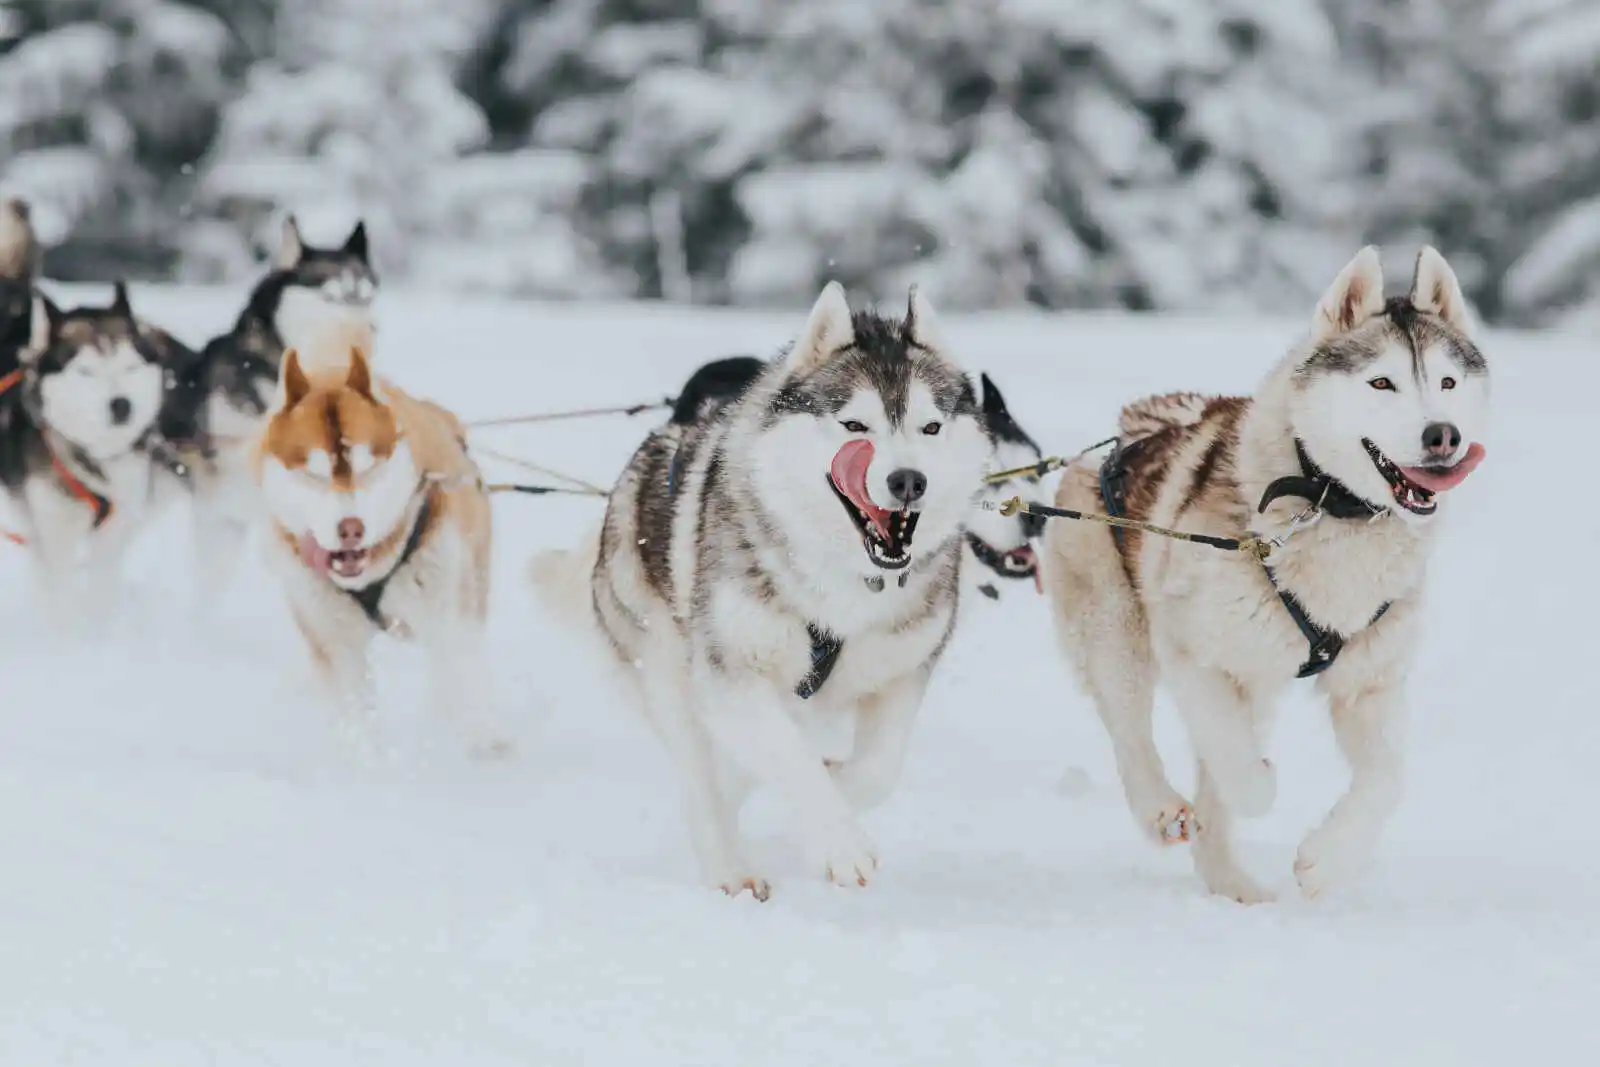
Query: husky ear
993,402
295,383
1435,291
291,248
922,325
827,329
1355,296
356,243
359,380
120,305
45,320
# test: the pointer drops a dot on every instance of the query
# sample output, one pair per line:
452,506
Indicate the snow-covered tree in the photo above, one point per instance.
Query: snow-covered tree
103,104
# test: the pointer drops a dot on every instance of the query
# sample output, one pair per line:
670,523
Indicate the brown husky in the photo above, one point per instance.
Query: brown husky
380,523
1343,456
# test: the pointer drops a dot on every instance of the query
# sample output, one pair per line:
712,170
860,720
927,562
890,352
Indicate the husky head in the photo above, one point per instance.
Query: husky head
873,424
318,288
1393,397
94,375
337,471
19,266
1002,543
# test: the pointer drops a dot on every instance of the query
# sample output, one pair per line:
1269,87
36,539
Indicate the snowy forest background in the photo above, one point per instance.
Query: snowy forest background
1173,154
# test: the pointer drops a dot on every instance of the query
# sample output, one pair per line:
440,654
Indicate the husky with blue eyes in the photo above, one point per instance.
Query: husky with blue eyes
779,571
1346,458
310,294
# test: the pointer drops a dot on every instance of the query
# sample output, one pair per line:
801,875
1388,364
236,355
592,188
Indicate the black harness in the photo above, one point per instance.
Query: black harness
1324,491
369,597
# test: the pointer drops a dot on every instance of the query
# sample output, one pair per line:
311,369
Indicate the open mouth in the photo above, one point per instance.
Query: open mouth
1417,488
885,534
1021,562
346,563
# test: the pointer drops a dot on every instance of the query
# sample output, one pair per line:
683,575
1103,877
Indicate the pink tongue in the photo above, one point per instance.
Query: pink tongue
1438,481
849,473
317,558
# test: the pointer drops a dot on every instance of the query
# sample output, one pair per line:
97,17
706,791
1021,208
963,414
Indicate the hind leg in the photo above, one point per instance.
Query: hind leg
1103,633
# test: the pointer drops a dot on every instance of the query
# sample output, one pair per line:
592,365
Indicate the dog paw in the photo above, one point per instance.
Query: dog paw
759,888
1239,888
1171,823
848,855
1325,859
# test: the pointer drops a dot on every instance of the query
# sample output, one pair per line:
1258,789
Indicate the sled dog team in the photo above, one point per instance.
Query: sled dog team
789,550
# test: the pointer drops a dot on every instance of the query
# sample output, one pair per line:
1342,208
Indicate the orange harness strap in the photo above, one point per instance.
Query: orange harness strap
100,505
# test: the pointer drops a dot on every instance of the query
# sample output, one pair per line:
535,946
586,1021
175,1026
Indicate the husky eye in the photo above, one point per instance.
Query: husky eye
853,426
1448,383
1383,384
932,429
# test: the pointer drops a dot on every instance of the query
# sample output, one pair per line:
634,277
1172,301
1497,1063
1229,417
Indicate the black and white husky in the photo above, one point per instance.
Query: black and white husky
308,292
81,456
791,562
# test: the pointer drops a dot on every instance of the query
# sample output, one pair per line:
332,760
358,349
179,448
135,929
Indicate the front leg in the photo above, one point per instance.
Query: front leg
1366,724
747,720
108,547
883,735
339,656
1222,728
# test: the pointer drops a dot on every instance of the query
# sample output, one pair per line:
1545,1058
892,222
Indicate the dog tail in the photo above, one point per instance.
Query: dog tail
560,578
1153,414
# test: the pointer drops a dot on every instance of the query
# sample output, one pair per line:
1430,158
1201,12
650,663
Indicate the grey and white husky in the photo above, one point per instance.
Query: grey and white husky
309,293
81,454
790,562
1345,454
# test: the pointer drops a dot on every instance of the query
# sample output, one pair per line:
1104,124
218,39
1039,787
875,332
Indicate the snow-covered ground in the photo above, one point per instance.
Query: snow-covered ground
192,876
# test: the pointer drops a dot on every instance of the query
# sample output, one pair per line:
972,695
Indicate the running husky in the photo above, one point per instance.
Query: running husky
792,561
1344,453
380,523
309,293
81,456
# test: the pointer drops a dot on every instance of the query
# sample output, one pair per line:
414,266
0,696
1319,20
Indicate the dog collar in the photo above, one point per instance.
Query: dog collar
1322,489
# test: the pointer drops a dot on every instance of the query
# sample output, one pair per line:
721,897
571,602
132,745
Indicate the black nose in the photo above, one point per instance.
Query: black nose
907,485
120,410
1032,525
1440,439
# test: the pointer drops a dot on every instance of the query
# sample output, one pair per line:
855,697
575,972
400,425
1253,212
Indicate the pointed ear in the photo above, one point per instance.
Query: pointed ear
291,248
1355,296
45,320
993,402
827,329
922,325
119,299
359,380
356,243
1435,291
295,383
